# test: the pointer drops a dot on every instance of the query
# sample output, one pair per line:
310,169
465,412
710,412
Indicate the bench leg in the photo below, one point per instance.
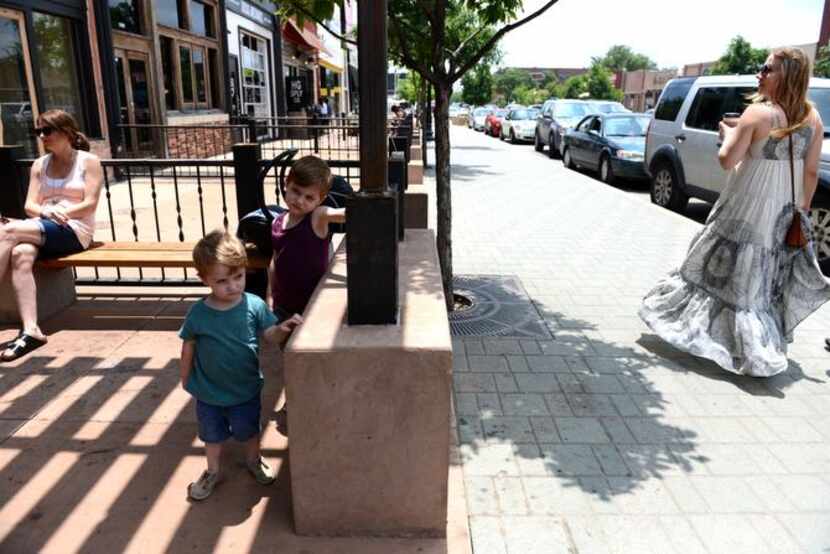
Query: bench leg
55,291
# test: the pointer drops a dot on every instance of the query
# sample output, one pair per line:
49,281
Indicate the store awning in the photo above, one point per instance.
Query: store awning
328,65
301,37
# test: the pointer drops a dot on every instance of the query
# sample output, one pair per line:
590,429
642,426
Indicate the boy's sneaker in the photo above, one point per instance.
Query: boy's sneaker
201,489
261,471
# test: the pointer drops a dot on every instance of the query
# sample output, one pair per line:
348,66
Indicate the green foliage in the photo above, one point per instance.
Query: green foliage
528,96
573,87
456,97
596,84
621,58
740,58
822,66
478,85
506,81
410,87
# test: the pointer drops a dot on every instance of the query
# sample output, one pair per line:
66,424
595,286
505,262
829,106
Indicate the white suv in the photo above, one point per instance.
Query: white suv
682,144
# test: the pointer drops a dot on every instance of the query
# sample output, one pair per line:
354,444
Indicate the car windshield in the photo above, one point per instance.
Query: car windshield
481,111
525,114
821,98
608,107
501,113
571,110
626,126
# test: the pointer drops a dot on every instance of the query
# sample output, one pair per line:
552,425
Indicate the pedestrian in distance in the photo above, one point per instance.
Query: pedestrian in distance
742,289
64,189
220,358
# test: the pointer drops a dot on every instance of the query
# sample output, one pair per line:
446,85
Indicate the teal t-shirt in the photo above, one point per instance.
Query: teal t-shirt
226,363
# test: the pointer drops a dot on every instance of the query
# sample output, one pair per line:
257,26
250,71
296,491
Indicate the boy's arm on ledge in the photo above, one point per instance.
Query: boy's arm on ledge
323,215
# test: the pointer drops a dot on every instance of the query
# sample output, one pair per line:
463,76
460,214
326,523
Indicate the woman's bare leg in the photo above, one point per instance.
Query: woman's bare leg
15,232
22,263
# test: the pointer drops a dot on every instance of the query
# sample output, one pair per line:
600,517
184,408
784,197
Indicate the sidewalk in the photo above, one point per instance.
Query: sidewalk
605,439
98,444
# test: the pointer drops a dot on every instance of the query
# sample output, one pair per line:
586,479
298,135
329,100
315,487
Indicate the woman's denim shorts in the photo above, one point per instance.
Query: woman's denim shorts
58,240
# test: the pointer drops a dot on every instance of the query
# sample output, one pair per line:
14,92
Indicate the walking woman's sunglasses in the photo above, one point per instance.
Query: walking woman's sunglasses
766,69
43,131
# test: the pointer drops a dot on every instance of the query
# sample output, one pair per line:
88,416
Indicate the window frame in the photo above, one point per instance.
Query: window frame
185,38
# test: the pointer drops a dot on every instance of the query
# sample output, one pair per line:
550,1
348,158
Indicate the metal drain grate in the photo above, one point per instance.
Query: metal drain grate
501,308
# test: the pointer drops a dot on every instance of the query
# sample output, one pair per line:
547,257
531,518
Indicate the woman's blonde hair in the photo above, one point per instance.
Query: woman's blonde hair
218,247
65,124
792,89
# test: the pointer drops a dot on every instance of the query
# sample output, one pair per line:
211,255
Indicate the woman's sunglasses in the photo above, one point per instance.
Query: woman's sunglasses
766,69
43,131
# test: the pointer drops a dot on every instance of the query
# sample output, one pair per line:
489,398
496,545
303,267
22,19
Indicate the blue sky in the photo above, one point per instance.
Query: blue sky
671,32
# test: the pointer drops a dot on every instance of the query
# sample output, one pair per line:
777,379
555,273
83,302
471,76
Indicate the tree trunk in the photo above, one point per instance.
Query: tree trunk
442,186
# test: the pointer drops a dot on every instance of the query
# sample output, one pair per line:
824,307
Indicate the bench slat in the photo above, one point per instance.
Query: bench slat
138,254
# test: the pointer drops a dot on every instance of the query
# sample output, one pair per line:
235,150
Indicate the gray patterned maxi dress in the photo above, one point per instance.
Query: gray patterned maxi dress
741,291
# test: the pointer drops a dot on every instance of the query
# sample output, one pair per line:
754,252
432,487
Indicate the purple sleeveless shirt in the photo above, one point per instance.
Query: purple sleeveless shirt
300,261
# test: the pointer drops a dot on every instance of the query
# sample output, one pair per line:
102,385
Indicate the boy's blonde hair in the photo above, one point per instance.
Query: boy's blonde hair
311,171
219,247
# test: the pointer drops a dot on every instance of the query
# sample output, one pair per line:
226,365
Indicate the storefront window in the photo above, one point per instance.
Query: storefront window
199,72
167,69
170,13
15,106
254,76
187,74
57,64
124,15
201,19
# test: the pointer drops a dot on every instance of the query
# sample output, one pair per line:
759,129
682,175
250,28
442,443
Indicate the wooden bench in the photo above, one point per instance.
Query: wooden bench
56,282
139,254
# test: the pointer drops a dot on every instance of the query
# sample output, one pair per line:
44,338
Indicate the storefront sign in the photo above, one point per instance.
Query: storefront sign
249,10
297,93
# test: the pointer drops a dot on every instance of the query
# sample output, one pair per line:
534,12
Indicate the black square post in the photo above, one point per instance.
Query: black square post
371,215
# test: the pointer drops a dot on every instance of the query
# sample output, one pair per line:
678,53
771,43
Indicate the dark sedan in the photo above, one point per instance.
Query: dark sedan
613,144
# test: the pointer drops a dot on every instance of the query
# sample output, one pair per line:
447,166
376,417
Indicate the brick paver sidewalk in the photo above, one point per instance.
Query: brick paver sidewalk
605,439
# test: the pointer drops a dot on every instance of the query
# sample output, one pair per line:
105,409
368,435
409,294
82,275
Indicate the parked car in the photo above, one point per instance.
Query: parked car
519,125
477,117
612,144
459,110
607,106
681,153
555,118
492,123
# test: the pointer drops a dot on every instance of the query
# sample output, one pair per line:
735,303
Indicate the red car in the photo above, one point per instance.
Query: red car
492,124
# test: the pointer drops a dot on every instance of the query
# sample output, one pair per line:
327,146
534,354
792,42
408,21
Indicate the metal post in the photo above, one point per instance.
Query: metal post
13,193
398,182
371,215
250,196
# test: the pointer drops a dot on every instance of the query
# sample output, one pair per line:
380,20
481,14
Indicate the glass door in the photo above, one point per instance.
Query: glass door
134,91
18,108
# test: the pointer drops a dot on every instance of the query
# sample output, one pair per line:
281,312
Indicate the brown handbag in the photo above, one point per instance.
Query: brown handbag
795,234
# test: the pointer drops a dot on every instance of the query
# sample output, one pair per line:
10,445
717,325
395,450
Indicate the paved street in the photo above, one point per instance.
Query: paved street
605,439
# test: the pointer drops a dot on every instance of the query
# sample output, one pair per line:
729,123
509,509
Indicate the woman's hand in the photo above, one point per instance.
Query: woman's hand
726,128
55,213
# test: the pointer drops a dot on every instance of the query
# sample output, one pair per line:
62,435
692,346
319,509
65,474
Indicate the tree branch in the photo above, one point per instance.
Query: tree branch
406,54
495,38
465,41
311,16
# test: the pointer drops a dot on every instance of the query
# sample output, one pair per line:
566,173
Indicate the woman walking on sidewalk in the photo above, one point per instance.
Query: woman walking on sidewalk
64,187
742,290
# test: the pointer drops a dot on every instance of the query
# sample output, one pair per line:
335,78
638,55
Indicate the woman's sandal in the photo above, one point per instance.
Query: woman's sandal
6,344
21,346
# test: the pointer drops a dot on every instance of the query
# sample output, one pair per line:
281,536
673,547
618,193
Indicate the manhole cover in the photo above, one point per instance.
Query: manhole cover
501,308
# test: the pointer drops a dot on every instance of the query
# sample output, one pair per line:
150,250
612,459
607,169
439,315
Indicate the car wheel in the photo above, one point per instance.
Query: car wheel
820,219
501,137
606,172
665,188
552,150
537,144
512,137
567,160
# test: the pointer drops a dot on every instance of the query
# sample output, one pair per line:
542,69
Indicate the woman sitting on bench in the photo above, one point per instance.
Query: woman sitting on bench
64,188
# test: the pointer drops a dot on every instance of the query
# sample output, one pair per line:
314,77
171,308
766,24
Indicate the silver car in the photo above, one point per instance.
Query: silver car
519,125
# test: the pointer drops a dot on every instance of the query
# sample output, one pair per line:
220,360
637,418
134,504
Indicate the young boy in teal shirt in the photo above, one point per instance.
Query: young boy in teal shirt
220,357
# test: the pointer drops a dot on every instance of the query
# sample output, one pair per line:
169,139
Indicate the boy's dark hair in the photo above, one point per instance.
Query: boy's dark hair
311,171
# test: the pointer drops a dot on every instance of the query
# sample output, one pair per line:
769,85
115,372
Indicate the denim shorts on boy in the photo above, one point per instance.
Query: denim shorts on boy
58,240
218,423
